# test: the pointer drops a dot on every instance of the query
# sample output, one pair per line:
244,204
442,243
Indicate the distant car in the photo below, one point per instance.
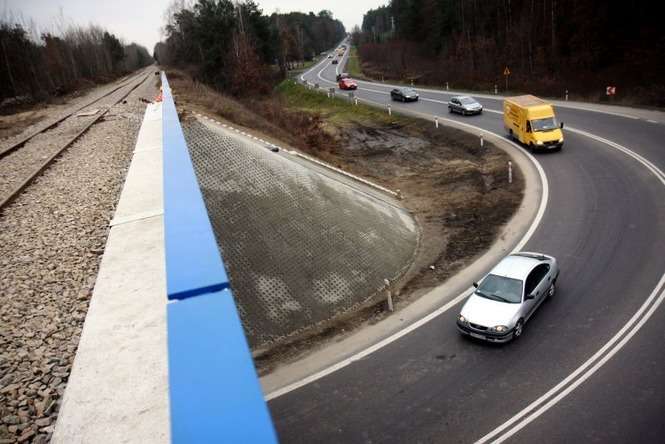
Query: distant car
330,56
464,105
404,95
507,297
341,76
335,61
347,84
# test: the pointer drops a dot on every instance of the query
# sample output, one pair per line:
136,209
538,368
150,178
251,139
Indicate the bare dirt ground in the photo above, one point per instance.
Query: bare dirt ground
457,191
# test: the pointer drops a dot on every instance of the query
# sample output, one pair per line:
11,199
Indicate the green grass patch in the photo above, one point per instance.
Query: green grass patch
353,63
335,110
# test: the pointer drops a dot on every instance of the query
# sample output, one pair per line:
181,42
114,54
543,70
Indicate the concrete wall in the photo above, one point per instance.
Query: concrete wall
301,244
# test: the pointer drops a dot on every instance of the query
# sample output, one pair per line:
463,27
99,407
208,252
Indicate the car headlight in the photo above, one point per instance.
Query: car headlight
462,319
499,328
539,142
561,140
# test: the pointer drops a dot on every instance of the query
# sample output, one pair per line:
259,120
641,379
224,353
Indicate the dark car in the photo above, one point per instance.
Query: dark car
335,61
404,95
341,76
464,105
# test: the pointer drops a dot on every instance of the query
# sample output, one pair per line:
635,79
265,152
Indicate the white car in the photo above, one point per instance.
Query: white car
508,296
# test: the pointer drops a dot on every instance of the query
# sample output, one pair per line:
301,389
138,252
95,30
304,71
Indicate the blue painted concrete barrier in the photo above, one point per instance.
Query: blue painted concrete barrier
213,396
193,262
214,392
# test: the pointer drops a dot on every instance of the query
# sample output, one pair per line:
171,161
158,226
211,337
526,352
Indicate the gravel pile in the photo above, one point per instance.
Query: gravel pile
51,241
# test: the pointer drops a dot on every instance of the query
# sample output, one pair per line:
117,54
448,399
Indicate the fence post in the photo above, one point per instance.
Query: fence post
496,89
482,141
566,95
436,121
390,112
510,172
446,86
356,100
389,295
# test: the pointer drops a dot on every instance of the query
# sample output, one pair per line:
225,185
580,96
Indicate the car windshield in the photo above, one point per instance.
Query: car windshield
408,92
501,289
547,124
467,101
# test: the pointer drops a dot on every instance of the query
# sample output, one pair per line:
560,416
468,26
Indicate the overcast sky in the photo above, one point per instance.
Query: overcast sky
140,20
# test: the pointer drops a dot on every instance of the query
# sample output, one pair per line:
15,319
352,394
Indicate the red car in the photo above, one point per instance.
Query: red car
347,84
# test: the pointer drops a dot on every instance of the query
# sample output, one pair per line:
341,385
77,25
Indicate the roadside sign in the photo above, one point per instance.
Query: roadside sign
506,73
611,90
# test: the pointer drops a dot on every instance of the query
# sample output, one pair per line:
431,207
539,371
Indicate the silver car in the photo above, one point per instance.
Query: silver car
464,105
507,297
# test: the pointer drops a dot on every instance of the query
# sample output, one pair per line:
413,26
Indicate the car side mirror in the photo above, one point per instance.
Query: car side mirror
561,125
529,296
475,284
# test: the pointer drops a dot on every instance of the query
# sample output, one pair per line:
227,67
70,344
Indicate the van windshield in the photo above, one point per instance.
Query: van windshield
547,124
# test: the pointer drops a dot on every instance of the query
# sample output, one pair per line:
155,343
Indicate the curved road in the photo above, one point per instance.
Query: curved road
604,222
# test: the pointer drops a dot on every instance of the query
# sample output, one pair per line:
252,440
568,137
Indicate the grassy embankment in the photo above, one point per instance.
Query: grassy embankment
457,190
333,110
353,66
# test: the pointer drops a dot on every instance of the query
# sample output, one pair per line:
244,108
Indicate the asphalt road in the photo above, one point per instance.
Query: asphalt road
604,223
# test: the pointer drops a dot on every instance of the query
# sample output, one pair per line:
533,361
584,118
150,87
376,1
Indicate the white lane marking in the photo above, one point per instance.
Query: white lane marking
582,378
491,97
521,417
652,121
395,336
501,97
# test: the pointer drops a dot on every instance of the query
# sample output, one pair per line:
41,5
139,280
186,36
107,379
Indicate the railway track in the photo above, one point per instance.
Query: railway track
26,159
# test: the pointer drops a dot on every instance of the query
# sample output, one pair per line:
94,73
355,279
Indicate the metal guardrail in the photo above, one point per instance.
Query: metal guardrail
215,395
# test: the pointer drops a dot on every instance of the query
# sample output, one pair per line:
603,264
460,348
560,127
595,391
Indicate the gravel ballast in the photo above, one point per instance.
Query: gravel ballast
51,241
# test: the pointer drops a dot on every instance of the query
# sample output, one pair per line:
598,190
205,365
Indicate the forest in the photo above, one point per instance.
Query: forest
34,68
549,46
234,47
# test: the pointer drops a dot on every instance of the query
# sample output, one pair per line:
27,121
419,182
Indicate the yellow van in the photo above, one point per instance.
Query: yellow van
532,121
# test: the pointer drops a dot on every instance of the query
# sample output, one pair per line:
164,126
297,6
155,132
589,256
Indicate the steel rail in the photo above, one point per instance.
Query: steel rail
17,190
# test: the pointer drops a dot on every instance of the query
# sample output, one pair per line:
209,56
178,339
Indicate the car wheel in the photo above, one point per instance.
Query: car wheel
519,329
551,290
450,109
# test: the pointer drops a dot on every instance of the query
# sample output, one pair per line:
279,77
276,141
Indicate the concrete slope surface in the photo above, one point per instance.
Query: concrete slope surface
301,246
589,365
